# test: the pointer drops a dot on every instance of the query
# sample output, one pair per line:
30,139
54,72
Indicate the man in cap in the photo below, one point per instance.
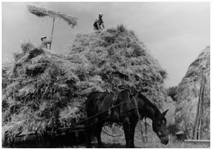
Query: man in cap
45,42
99,24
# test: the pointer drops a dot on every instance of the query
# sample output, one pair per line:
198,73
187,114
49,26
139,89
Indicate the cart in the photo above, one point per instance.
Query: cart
72,134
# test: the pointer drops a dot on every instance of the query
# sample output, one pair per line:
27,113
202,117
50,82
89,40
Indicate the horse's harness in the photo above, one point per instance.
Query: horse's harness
110,112
145,136
114,105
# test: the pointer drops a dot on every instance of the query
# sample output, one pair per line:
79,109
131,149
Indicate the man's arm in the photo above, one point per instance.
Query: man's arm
101,23
50,40
103,26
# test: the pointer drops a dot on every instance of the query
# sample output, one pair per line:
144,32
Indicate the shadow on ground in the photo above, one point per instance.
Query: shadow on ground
109,145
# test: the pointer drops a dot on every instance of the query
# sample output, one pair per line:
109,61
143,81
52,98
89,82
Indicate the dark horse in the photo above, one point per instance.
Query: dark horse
127,112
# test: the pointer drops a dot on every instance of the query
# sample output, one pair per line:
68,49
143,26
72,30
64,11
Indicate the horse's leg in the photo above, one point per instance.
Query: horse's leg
98,134
132,133
126,125
89,131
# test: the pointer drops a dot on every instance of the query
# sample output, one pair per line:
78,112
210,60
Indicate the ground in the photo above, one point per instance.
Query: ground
152,142
119,141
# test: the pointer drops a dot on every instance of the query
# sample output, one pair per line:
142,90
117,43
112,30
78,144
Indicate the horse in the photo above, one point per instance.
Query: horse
128,113
147,109
98,102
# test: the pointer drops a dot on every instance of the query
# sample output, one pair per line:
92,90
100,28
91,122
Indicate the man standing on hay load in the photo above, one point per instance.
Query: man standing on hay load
45,42
99,24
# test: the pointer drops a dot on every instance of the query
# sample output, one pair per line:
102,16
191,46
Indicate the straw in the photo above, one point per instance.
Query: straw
42,12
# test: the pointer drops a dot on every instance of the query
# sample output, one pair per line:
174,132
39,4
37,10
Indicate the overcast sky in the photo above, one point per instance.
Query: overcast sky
175,33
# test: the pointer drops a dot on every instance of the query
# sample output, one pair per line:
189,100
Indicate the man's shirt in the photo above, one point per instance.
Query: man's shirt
44,43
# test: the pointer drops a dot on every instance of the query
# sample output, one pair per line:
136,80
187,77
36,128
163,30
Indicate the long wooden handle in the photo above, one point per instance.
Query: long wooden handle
52,31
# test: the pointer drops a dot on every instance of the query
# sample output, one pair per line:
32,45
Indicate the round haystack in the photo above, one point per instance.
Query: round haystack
188,94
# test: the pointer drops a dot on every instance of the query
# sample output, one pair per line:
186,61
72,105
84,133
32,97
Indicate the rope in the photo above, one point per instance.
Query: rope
83,121
145,123
145,126
145,135
136,108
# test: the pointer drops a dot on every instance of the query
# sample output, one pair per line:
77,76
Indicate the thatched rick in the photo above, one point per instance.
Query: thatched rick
194,88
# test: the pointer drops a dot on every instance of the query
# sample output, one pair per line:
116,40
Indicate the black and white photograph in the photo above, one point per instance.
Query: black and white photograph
94,74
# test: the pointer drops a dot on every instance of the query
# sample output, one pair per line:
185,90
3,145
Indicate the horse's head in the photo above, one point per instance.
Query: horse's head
159,127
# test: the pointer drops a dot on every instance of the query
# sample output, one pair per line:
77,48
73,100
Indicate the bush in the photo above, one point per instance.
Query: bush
172,91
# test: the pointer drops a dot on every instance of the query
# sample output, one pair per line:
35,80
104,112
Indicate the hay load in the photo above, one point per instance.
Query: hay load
119,61
188,93
43,90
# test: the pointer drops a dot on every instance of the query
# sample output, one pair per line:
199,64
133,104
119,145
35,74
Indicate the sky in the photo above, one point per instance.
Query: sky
174,32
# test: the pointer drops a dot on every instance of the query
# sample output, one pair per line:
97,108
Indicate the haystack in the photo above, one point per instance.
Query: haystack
188,93
43,90
120,61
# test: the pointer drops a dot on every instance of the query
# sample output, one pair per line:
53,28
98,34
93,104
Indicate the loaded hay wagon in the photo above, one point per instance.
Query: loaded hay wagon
44,91
40,95
67,136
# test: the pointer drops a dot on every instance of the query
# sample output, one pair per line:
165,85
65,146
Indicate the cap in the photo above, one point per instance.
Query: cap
43,37
101,14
